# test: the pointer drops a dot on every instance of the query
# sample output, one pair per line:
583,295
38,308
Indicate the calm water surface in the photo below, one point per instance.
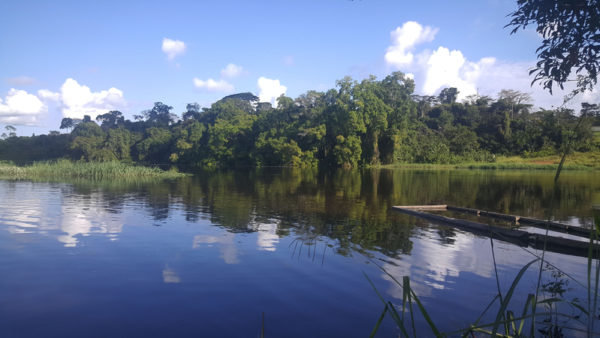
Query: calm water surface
208,255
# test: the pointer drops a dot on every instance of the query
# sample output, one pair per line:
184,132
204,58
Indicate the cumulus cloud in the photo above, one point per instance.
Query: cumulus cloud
444,67
447,68
270,90
231,71
78,100
20,81
173,48
46,94
75,101
21,107
404,39
213,85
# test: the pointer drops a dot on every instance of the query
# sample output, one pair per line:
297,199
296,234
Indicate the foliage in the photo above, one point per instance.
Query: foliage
371,122
570,30
74,170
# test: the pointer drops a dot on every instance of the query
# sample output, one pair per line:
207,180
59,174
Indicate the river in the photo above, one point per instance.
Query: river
288,251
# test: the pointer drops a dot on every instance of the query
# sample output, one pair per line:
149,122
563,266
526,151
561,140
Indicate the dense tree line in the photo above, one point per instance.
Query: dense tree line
358,123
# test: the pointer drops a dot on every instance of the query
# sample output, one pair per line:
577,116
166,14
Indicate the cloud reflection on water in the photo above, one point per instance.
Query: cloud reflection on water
267,237
431,265
226,242
58,213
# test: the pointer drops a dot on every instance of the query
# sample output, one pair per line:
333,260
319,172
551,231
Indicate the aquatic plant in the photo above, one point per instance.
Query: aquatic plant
64,169
551,321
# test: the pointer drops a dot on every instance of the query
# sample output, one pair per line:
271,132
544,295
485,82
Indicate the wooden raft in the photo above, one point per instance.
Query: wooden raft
514,236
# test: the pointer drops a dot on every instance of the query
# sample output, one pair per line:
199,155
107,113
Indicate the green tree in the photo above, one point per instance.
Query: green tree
88,143
112,119
570,30
160,115
374,111
10,131
67,123
155,147
448,95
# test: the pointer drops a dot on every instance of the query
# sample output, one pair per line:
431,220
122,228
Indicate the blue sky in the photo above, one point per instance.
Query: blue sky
67,58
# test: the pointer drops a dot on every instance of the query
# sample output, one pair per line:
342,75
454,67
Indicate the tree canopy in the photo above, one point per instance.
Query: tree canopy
357,123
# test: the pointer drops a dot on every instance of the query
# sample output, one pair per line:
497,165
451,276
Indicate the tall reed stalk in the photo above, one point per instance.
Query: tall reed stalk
506,323
63,169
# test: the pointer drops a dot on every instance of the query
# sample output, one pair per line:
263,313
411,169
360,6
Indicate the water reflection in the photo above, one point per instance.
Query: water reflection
226,243
58,212
352,207
81,219
248,231
267,238
438,265
170,276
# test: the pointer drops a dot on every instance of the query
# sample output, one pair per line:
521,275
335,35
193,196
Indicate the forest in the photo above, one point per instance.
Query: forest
359,123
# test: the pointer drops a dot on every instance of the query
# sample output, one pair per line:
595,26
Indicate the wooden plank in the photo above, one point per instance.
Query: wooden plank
538,223
440,207
558,227
518,237
496,215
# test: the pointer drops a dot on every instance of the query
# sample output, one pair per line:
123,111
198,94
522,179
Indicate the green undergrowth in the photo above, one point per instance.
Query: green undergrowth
575,161
64,169
486,166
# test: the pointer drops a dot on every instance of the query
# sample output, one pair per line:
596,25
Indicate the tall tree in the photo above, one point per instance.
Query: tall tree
448,95
67,123
111,119
160,115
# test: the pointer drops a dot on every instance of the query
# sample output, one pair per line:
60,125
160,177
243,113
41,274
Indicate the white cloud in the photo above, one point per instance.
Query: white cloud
213,85
173,48
231,71
20,107
20,81
170,276
46,94
504,75
447,68
444,67
270,90
404,39
75,100
78,100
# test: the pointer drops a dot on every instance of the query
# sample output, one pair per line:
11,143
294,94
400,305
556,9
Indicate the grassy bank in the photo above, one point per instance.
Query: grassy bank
75,170
576,161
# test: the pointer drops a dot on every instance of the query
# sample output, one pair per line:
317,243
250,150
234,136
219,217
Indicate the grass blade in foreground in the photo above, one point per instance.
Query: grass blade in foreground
509,294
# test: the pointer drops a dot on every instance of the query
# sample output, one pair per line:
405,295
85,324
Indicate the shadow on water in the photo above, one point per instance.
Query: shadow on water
351,207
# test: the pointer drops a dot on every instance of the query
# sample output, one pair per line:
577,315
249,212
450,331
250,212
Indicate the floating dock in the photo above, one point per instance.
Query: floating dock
514,236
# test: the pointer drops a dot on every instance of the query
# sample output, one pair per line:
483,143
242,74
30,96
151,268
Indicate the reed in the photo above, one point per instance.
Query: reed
63,169
506,323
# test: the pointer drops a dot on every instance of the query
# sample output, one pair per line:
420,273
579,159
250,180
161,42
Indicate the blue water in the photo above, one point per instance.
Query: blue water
222,253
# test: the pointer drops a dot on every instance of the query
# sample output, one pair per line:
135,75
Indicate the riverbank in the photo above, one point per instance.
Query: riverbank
576,161
83,170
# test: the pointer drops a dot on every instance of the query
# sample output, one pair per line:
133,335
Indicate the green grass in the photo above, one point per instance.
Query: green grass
64,169
576,161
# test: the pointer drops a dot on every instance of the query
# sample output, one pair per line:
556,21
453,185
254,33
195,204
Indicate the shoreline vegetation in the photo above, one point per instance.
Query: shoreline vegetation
577,161
64,169
358,124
